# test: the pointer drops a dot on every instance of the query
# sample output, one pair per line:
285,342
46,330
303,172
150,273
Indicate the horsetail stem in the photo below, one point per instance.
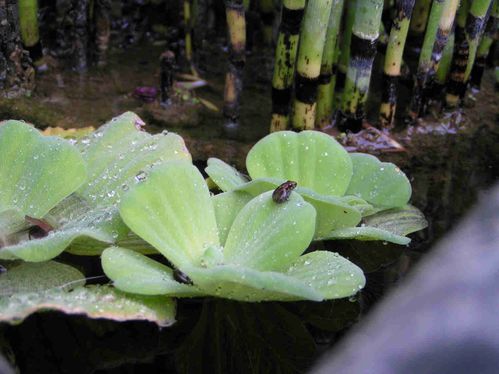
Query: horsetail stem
308,64
365,33
267,15
440,23
285,59
236,23
188,30
344,52
325,90
490,33
461,69
28,24
393,62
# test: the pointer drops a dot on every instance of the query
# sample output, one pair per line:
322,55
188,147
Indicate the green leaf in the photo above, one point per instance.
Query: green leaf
227,207
269,236
245,284
172,210
312,159
399,221
91,301
118,155
22,277
133,272
36,172
223,175
332,212
328,273
380,183
366,233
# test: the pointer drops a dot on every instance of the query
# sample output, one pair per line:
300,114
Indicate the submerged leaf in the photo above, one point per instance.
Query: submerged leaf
399,221
312,159
172,210
380,183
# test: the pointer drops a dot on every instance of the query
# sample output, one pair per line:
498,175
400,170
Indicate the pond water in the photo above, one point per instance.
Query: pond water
449,162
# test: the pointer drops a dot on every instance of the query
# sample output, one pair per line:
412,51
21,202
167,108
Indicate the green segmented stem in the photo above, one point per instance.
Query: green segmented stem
445,63
393,62
285,60
420,17
440,23
461,69
327,78
236,23
365,32
308,64
344,50
267,16
491,30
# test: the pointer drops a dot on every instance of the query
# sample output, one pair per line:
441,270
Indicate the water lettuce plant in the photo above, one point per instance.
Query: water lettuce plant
344,188
38,174
230,245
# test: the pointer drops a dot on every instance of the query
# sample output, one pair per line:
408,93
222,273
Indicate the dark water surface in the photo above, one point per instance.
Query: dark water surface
447,172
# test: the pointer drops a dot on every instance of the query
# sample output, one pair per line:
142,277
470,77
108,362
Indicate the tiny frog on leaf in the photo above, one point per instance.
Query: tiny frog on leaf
281,194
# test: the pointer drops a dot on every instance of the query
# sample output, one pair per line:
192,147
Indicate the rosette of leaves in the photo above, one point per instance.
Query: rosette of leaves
229,245
116,156
356,196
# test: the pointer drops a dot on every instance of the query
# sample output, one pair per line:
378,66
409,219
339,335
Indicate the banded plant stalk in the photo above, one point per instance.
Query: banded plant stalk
461,69
236,23
285,59
327,77
365,32
28,23
267,15
102,20
393,62
344,50
188,31
308,64
419,20
444,66
491,30
440,23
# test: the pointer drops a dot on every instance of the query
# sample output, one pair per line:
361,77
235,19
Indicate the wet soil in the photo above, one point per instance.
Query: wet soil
450,159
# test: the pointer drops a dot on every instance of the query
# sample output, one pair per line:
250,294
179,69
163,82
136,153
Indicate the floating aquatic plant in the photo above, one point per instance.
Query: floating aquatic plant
229,245
344,188
116,157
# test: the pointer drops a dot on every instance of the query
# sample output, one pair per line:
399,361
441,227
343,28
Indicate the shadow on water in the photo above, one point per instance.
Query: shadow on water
447,173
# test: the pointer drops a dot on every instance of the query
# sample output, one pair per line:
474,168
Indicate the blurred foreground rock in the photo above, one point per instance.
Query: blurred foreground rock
444,318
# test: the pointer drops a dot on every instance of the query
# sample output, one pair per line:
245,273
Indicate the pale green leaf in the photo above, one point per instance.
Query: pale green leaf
382,184
22,277
366,233
133,272
36,172
312,159
91,301
173,211
332,212
118,156
223,175
269,236
244,284
399,221
227,207
328,273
